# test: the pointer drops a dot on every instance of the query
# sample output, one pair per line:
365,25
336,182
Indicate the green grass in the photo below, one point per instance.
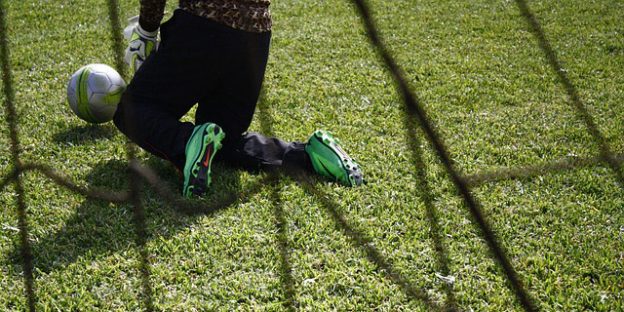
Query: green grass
484,81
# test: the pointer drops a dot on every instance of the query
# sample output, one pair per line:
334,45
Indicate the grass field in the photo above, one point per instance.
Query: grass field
484,81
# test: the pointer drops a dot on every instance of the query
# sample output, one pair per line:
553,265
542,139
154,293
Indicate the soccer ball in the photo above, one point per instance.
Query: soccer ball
94,91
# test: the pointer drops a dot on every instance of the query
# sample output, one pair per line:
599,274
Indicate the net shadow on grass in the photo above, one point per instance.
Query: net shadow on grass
89,192
357,236
206,206
427,196
290,304
366,243
554,167
12,120
581,110
288,284
97,228
190,208
416,112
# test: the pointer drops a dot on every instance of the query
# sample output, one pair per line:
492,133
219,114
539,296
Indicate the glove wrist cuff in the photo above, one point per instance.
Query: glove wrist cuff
145,33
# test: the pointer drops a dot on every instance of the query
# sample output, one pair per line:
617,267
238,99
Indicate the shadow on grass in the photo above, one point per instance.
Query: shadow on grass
427,196
366,243
286,278
573,94
290,304
99,228
85,133
358,237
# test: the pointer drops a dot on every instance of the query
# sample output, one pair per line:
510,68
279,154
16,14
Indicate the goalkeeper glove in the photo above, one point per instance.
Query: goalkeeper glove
142,43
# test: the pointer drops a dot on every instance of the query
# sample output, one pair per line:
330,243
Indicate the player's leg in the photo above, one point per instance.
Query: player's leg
233,102
166,86
232,105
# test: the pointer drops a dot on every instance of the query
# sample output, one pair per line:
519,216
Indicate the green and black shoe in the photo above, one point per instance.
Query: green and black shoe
329,160
201,148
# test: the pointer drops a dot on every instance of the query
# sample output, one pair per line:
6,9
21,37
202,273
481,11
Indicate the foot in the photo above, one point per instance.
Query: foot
201,148
329,160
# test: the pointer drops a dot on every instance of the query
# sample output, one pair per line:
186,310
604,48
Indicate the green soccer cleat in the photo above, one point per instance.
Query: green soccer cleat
329,160
201,148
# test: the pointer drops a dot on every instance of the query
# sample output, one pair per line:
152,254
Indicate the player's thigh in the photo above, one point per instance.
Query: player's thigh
232,101
181,71
161,84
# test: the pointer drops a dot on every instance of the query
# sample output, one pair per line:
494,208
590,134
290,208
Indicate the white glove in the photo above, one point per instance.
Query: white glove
141,43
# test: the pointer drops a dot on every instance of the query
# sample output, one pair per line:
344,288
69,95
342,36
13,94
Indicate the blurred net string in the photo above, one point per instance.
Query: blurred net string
11,119
134,196
413,108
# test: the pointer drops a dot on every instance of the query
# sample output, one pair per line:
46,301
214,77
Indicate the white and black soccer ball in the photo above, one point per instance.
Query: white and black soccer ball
94,92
